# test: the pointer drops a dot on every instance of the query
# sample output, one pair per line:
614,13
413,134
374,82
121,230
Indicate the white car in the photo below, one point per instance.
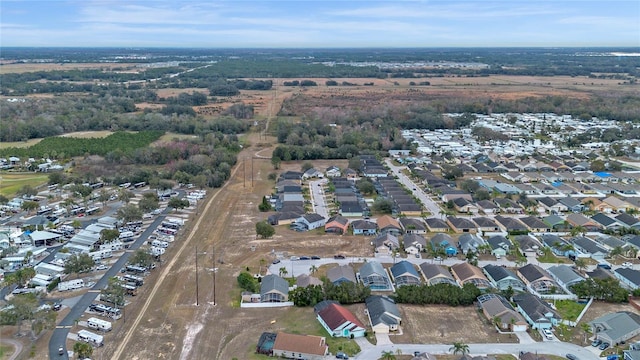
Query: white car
101,267
626,264
547,333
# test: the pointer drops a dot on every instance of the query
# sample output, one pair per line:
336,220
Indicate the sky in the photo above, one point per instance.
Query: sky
321,24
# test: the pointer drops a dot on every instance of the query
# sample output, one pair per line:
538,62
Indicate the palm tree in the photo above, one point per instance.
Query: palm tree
587,330
313,269
581,264
388,355
459,347
283,271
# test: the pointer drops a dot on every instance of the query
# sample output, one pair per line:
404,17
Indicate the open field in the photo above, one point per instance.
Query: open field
19,144
7,68
78,134
10,183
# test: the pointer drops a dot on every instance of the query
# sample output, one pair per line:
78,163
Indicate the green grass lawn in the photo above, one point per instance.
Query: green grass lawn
550,258
10,183
569,309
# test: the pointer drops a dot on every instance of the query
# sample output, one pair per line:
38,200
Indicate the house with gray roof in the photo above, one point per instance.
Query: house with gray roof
529,246
384,315
273,288
572,204
413,226
503,278
629,278
537,279
436,225
340,274
437,274
628,220
616,327
500,245
364,227
606,222
497,307
486,224
404,273
536,311
469,243
555,222
385,243
534,224
589,247
610,242
461,225
558,245
444,242
414,243
312,221
551,205
510,224
374,276
564,275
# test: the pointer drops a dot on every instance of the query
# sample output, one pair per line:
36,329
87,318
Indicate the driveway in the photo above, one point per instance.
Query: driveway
383,339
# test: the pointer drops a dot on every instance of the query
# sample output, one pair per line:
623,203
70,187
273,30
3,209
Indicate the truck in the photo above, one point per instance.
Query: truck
71,285
98,324
91,338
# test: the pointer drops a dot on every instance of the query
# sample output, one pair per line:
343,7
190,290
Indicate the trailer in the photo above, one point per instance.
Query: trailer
126,235
71,285
130,290
91,338
137,280
98,324
105,310
160,244
112,246
156,251
101,254
135,269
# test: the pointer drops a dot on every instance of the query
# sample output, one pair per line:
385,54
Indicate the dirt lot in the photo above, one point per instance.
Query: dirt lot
596,310
435,324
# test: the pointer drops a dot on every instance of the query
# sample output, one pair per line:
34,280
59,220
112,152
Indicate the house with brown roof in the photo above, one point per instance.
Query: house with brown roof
340,322
496,307
575,220
387,224
294,346
305,280
466,273
617,204
436,274
337,225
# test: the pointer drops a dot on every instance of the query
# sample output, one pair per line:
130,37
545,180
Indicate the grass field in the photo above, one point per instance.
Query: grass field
569,309
10,183
79,134
19,144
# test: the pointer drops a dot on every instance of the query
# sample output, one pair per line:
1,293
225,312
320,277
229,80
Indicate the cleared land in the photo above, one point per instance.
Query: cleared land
6,68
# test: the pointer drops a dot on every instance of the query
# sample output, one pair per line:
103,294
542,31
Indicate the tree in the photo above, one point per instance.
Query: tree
20,277
382,206
22,307
103,197
365,186
247,282
29,206
459,347
276,161
3,199
129,213
306,166
83,350
313,269
149,202
581,264
141,258
125,196
109,235
78,263
265,230
113,292
27,190
306,296
586,328
177,203
283,271
451,172
265,205
387,355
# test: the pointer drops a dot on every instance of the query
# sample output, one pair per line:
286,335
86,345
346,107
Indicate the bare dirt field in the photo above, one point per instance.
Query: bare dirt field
437,324
596,310
7,68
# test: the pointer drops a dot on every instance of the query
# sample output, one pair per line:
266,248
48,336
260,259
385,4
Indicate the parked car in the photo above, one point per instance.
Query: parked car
341,355
603,346
101,267
57,306
626,264
596,343
547,333
305,258
571,357
604,266
276,261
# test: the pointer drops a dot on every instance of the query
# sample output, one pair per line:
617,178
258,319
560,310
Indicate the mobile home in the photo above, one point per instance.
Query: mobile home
91,338
98,324
71,285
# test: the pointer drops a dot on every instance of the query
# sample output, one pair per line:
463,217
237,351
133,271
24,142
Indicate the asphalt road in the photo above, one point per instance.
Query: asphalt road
59,336
318,203
427,201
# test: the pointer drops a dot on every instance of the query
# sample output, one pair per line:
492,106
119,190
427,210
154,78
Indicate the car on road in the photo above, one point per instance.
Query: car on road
90,284
571,357
305,258
596,343
604,346
339,256
57,306
60,350
276,261
437,258
315,257
626,264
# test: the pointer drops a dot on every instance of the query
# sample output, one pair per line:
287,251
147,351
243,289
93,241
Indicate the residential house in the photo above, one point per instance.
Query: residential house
340,274
531,356
294,346
273,288
469,243
536,311
600,273
384,315
555,222
565,275
305,280
461,225
350,174
551,205
463,205
312,221
508,206
496,307
436,225
385,243
558,245
351,208
337,224
340,322
413,226
537,279
503,278
534,224
404,273
332,172
606,222
364,227
436,274
312,173
616,204
466,273
500,245
510,224
528,245
589,247
579,220
628,221
291,175
445,243
629,278
486,224
487,207
610,242
414,243
616,328
572,204
373,275
388,224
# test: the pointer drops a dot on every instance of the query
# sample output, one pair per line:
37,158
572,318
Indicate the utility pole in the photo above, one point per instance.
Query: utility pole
244,173
252,171
213,258
196,276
